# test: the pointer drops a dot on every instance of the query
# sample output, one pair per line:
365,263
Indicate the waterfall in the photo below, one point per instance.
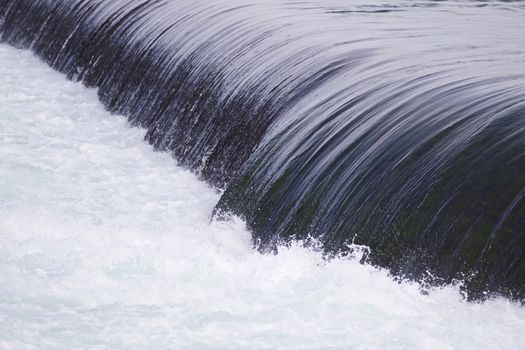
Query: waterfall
398,126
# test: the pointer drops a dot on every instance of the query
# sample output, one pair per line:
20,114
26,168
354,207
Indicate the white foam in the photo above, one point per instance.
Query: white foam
106,244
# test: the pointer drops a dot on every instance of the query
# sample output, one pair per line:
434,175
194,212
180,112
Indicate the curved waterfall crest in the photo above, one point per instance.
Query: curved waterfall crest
399,126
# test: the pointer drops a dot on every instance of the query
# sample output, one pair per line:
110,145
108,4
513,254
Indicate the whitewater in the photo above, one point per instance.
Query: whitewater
106,244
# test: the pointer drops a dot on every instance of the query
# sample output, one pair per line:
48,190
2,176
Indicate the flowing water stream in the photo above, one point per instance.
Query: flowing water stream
399,125
106,244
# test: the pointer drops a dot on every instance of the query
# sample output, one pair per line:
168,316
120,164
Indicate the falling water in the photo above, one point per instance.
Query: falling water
399,126
105,244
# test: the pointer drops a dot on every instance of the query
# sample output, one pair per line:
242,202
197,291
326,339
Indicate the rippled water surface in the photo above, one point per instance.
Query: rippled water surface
105,244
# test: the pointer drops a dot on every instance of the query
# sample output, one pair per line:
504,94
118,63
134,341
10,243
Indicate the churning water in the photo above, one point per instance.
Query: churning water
105,244
398,125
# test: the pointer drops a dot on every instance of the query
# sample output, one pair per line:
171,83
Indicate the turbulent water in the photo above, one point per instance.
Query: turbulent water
106,244
398,125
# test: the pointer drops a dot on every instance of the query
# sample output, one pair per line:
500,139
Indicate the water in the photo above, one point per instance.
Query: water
106,244
398,125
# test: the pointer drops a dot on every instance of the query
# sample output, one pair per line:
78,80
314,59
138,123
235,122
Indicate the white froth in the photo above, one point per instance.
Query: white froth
105,244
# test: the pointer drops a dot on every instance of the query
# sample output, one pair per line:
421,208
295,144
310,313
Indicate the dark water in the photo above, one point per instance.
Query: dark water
399,125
